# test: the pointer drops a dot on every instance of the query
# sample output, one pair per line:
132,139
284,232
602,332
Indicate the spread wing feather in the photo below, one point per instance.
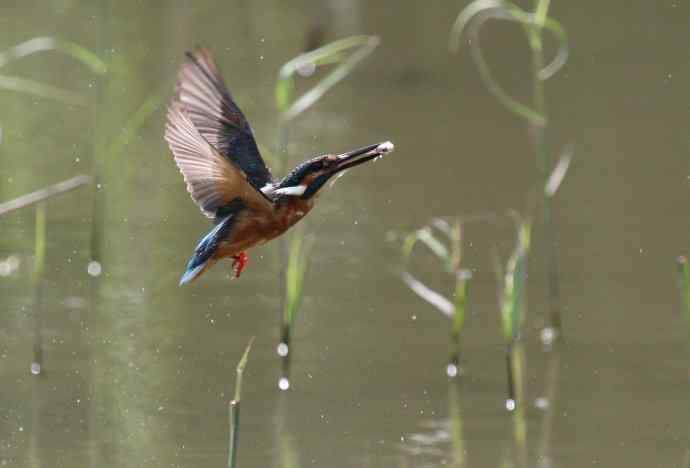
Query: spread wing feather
208,104
212,180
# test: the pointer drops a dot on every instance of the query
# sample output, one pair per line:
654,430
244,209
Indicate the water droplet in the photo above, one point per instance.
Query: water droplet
452,370
548,336
9,265
36,368
510,404
541,403
94,268
307,69
284,383
282,350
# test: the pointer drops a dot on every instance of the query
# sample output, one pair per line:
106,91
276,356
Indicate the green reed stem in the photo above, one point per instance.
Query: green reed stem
40,242
456,427
684,284
539,134
37,279
519,415
234,409
552,372
461,290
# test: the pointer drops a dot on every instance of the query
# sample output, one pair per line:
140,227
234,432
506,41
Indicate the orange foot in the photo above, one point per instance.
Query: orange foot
239,263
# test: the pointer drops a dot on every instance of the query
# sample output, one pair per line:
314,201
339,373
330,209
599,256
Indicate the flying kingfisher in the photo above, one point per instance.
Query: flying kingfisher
214,148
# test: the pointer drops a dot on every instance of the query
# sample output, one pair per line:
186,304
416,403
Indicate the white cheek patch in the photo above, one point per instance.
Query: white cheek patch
295,191
268,189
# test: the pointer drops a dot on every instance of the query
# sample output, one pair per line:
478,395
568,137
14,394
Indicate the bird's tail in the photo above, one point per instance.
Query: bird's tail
202,260
192,273
204,254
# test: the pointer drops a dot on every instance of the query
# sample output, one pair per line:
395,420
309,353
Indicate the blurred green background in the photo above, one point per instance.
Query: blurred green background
138,372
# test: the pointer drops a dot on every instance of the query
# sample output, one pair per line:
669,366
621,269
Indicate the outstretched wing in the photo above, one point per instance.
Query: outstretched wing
212,180
206,100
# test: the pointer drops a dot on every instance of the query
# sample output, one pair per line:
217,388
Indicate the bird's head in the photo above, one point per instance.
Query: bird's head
308,178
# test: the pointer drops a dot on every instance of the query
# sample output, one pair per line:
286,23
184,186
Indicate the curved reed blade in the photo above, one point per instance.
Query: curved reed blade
434,298
556,177
470,22
48,43
333,53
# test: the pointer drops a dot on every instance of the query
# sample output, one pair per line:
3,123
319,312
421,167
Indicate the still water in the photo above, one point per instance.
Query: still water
138,372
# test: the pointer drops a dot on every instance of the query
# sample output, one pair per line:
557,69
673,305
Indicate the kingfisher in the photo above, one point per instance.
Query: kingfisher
213,146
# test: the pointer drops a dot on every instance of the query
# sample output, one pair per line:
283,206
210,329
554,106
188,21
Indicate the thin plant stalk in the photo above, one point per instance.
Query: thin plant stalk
285,441
513,307
684,284
461,290
298,254
519,415
234,409
549,406
37,279
456,427
539,134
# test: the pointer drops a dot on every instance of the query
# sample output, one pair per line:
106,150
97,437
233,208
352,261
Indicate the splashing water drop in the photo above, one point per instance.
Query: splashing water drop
548,336
541,403
9,265
94,268
282,350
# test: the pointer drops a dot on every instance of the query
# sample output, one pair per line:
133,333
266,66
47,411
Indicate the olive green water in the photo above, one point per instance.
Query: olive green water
138,372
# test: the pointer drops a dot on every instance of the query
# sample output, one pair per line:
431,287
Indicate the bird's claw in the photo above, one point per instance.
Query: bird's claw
239,263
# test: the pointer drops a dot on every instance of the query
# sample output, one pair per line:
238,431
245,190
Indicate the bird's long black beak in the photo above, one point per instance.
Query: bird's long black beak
359,156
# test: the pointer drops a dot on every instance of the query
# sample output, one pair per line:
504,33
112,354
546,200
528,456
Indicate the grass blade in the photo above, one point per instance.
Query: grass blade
48,43
558,174
44,194
434,298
